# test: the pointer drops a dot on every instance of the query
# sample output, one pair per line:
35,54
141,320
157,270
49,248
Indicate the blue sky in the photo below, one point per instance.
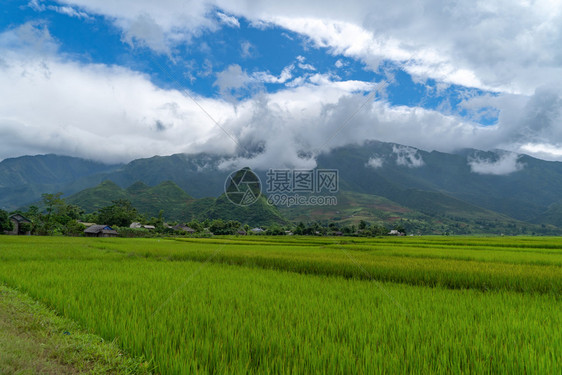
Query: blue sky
226,76
95,39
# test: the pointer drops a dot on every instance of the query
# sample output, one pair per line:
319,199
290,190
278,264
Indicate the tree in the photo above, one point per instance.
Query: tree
5,222
54,206
121,213
300,229
274,230
221,227
197,226
73,228
363,225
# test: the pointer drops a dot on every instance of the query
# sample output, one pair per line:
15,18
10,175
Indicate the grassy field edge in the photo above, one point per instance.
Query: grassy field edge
34,339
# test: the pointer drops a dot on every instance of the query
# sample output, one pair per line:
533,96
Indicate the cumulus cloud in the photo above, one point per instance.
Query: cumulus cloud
94,111
115,114
30,40
529,124
499,45
286,74
505,164
145,31
407,156
232,81
508,48
339,64
111,113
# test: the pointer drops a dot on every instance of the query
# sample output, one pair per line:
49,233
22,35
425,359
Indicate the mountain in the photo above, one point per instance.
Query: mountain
383,182
198,175
435,182
552,216
24,179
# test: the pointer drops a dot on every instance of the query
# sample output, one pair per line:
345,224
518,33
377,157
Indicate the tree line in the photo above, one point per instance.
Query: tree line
57,217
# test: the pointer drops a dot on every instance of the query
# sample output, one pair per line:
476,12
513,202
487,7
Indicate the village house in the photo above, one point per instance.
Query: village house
18,222
184,228
100,231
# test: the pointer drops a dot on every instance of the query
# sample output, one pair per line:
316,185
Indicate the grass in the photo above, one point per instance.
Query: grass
280,305
35,340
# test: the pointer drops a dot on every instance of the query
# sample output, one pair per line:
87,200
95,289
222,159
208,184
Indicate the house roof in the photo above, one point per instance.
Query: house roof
184,228
99,228
20,219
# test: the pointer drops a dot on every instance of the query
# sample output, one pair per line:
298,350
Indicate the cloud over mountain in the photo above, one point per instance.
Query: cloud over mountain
508,51
506,164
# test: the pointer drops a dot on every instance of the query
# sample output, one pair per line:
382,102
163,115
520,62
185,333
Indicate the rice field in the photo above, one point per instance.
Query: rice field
307,305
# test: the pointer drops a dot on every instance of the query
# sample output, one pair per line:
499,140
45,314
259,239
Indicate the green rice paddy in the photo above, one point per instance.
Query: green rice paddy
307,305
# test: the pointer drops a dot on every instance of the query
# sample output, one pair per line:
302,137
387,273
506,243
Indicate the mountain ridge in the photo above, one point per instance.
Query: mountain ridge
468,184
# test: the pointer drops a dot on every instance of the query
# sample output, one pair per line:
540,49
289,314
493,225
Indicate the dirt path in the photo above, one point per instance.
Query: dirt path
34,340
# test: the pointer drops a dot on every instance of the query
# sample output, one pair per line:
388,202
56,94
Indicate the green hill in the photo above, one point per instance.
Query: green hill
147,200
176,203
93,199
166,196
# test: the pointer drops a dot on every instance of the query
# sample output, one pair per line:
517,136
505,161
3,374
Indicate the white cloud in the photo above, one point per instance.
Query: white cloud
502,45
230,21
543,151
36,5
69,11
375,162
286,74
307,67
506,163
95,111
31,40
145,31
158,25
232,80
247,49
112,114
407,156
